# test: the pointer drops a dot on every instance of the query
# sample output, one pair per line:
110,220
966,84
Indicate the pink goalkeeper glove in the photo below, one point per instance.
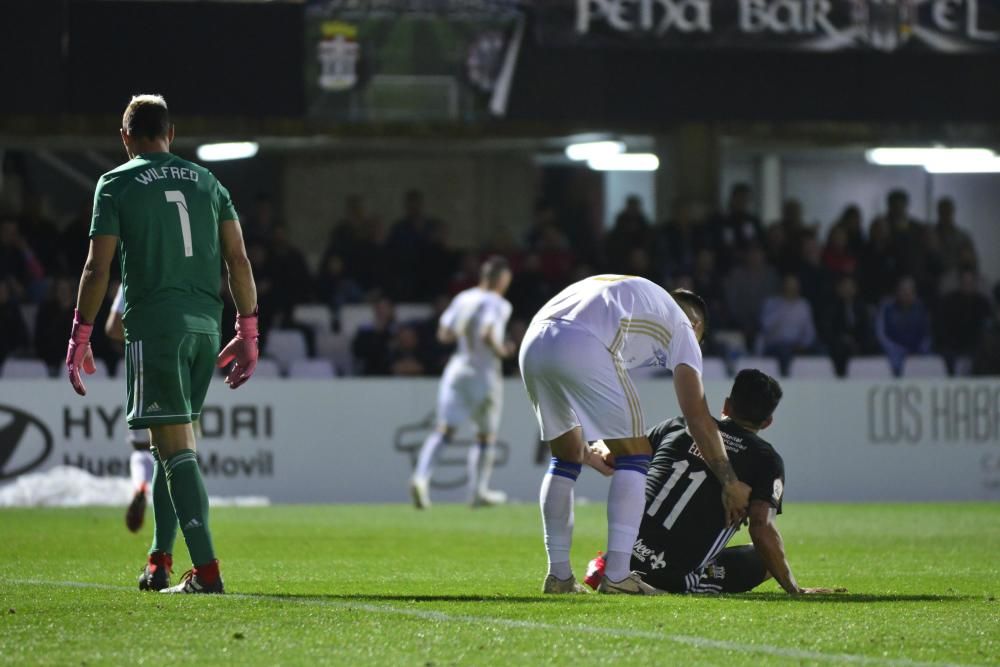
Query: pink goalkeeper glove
242,348
78,355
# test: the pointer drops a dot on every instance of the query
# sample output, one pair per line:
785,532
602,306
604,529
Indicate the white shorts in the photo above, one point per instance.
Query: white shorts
468,393
574,380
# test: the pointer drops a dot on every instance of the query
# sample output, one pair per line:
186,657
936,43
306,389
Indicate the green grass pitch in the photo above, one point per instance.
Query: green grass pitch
453,586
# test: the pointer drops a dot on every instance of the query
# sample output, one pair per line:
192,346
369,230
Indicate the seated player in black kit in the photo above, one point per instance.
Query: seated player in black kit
681,546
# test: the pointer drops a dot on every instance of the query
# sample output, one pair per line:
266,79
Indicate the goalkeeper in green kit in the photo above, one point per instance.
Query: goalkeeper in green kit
173,224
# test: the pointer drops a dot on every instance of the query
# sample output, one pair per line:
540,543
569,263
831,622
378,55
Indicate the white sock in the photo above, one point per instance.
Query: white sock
425,461
480,466
140,468
556,500
626,500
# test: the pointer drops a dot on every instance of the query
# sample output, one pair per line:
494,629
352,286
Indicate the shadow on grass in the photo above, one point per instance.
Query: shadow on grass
852,598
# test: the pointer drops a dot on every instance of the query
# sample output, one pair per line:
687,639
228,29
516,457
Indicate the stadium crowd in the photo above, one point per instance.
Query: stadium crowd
896,287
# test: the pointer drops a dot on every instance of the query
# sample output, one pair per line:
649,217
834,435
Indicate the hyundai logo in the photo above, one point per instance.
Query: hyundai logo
25,442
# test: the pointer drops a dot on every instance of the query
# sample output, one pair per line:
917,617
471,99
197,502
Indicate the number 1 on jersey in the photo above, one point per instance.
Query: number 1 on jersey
177,197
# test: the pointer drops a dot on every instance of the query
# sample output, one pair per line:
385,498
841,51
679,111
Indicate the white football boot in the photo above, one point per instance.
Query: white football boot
555,586
630,585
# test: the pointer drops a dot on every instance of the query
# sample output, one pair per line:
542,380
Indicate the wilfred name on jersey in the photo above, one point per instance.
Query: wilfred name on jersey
159,173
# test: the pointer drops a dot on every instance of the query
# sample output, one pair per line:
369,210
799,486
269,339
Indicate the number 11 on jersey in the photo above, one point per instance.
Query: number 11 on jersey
695,480
177,197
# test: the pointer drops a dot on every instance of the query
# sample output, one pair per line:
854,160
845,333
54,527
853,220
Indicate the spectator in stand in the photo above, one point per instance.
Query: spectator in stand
434,353
794,231
556,257
466,274
262,222
39,231
736,229
13,330
877,269
903,326
638,263
777,251
847,325
405,359
371,344
707,283
961,319
787,327
678,241
405,246
72,241
746,288
292,283
813,277
955,249
530,289
19,265
334,287
851,223
631,231
838,257
50,323
437,263
909,244
356,239
264,277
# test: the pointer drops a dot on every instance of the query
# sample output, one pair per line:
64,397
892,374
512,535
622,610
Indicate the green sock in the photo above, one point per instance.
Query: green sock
164,518
187,490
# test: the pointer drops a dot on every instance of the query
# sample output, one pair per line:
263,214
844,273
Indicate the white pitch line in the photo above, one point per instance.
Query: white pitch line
687,640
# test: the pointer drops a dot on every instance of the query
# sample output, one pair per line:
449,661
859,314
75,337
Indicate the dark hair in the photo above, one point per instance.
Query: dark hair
754,396
685,298
146,117
493,268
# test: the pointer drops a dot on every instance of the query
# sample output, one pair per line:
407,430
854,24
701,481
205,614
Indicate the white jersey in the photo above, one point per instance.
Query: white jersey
471,314
634,318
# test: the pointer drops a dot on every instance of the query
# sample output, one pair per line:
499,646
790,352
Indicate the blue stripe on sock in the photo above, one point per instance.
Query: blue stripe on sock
635,463
565,469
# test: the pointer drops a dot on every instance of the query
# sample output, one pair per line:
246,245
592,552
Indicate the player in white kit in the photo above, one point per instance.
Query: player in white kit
472,386
140,464
574,360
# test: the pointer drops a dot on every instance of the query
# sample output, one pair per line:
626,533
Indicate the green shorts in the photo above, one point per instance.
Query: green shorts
168,377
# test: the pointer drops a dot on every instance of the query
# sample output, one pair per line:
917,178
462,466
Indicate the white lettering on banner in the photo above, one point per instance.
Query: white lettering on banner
786,16
646,15
881,26
355,440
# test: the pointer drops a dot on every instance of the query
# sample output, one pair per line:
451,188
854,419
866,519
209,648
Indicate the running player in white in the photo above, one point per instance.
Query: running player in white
140,464
574,360
471,387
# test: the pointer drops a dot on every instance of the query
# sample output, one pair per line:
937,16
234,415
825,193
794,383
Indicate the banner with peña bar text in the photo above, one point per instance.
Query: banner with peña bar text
944,26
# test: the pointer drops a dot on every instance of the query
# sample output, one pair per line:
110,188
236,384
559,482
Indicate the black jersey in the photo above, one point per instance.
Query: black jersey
684,525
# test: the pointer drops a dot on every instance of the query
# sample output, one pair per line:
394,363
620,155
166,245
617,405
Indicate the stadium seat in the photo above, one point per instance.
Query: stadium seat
713,368
285,346
766,365
869,368
24,369
267,368
316,316
311,369
925,367
337,349
413,312
354,316
812,368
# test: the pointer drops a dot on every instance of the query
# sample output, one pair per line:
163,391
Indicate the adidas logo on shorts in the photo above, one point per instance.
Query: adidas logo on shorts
153,407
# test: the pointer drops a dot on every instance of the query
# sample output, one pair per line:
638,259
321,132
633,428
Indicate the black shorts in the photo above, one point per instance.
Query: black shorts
734,570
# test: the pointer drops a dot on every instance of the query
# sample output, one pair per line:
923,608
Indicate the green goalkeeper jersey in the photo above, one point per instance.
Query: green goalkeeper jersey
166,213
